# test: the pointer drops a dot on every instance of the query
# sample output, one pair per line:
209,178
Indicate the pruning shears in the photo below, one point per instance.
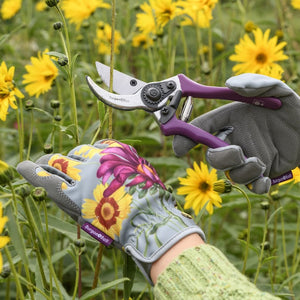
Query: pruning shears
163,98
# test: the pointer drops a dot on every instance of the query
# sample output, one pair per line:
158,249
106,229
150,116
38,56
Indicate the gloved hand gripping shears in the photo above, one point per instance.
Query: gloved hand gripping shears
163,98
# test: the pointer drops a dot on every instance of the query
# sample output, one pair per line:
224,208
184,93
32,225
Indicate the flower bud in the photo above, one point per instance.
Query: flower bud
90,103
54,104
85,24
48,148
57,25
63,61
23,190
275,195
219,47
57,118
222,186
52,3
6,173
39,194
79,243
99,80
5,272
29,104
265,205
265,245
249,26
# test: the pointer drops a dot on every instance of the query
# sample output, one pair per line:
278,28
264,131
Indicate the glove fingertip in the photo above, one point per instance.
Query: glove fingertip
182,145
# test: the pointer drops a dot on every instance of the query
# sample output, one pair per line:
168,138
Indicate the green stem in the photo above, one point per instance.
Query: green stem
274,269
112,50
16,277
48,241
44,246
77,264
30,135
296,249
185,51
284,252
26,268
262,248
20,122
248,227
67,48
98,266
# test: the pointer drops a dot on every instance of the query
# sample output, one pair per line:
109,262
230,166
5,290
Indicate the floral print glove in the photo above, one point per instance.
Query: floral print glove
116,196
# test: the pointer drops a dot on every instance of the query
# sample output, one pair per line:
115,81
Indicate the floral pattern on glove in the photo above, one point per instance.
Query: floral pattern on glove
65,165
122,161
107,213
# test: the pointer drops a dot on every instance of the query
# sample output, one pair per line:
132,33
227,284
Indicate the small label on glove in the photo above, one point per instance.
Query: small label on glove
97,234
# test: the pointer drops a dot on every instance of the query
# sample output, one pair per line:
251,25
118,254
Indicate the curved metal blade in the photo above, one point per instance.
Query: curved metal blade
123,102
122,83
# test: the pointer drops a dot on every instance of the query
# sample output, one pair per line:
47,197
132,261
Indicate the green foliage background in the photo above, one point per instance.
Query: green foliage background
29,32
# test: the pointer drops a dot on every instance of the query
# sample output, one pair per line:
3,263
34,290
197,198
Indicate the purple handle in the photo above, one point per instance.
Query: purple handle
194,89
200,136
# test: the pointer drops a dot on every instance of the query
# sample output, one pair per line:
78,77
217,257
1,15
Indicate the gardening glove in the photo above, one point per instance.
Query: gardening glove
264,143
116,196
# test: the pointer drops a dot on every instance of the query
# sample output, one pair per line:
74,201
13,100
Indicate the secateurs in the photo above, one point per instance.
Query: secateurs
163,98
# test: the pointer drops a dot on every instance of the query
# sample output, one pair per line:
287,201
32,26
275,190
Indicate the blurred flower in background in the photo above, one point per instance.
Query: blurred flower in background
197,13
76,11
164,10
3,239
8,90
142,40
40,74
103,39
296,4
145,20
9,8
259,56
41,5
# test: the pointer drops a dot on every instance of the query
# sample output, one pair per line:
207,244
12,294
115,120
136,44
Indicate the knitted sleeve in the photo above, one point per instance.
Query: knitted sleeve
204,272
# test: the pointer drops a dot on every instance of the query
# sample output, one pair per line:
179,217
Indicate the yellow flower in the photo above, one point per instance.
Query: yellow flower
103,39
8,90
77,10
6,173
142,40
198,187
9,8
257,56
107,213
67,166
41,74
145,21
3,239
41,5
296,4
197,12
250,26
165,10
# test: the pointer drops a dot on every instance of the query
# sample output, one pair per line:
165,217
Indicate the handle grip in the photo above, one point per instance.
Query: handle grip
200,136
194,89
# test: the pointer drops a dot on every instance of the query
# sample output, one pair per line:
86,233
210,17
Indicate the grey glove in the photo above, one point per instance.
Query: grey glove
116,196
262,141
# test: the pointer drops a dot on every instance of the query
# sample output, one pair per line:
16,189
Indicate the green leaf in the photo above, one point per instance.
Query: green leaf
56,54
15,234
102,288
129,271
66,228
